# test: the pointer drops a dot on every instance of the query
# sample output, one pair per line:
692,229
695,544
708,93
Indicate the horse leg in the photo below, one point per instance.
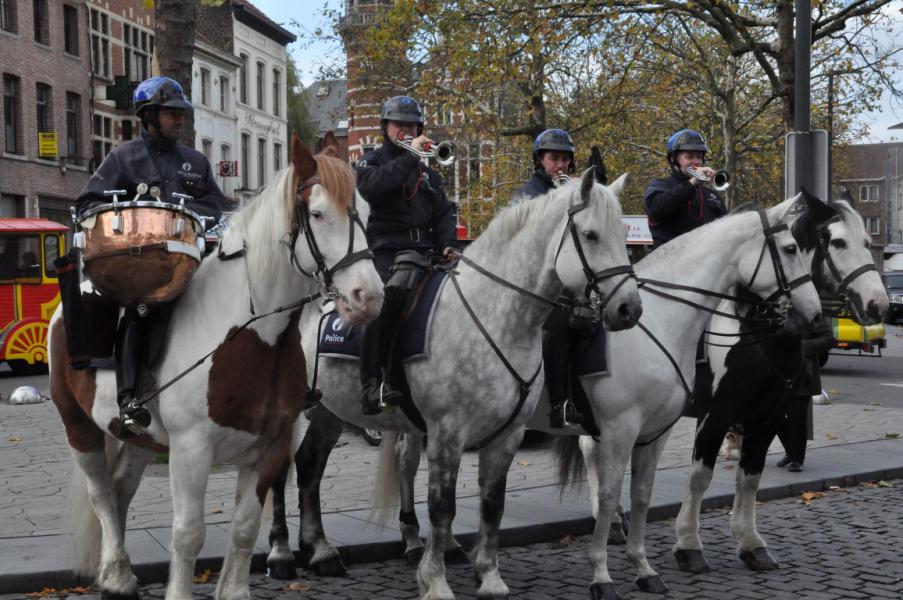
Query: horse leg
495,460
444,451
608,458
115,578
407,452
317,554
128,468
281,560
617,531
688,550
643,463
750,546
233,579
189,469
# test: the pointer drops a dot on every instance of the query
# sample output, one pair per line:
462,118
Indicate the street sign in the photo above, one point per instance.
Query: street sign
47,145
121,92
228,168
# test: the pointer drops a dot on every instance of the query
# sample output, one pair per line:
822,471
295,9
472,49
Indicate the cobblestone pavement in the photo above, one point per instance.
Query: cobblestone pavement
845,545
35,462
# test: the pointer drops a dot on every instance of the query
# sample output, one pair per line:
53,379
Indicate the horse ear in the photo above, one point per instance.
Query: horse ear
617,187
330,145
302,159
595,160
819,211
587,181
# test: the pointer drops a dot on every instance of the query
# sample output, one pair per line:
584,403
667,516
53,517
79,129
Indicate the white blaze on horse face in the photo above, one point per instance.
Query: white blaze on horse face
849,249
359,286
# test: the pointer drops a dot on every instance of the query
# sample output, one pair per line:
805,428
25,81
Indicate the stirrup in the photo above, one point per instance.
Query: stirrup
383,405
568,424
128,422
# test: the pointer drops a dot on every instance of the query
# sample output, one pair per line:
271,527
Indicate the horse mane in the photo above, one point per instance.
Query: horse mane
337,177
514,219
849,215
742,208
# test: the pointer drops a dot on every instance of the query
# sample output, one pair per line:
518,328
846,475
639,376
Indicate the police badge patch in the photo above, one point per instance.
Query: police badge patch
186,166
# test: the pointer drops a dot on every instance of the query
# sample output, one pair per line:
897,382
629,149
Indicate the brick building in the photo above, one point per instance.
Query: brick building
45,68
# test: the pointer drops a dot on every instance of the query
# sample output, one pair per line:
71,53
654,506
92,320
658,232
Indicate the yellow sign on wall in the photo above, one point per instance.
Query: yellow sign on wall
47,144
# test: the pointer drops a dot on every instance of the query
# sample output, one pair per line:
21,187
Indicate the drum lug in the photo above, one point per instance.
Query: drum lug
78,240
117,223
178,227
202,245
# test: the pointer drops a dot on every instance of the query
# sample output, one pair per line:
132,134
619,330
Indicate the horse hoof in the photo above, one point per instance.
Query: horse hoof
691,561
604,591
105,595
456,556
282,570
616,535
329,567
653,584
758,559
413,556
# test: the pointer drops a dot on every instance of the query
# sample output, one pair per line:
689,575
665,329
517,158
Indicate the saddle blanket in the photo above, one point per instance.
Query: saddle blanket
341,340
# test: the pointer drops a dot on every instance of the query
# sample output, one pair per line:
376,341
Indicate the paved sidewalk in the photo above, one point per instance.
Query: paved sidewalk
35,465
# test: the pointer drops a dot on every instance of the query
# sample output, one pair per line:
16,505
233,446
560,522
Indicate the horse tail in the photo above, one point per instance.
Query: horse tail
571,469
385,493
83,522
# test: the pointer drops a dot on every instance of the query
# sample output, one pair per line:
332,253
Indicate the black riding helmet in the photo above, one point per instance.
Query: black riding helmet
553,139
401,108
158,92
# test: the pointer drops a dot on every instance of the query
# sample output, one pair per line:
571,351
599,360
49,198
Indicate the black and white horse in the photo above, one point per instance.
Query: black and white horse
751,382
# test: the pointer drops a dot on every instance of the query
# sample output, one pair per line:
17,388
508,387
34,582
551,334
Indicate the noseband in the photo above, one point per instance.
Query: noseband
301,224
822,253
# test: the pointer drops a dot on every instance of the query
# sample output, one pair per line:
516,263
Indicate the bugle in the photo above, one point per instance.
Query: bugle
443,152
720,181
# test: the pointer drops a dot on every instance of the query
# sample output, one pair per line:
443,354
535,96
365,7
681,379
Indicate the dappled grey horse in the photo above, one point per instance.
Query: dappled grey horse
476,389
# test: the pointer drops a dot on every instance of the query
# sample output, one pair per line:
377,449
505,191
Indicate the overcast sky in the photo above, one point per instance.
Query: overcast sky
309,60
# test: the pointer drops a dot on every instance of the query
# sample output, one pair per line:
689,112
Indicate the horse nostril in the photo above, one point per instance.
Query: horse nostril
624,312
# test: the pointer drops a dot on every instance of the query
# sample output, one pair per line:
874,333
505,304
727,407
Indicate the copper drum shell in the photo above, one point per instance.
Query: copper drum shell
130,277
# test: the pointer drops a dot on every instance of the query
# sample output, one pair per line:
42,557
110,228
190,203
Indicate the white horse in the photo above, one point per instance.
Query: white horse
239,406
572,238
753,378
651,367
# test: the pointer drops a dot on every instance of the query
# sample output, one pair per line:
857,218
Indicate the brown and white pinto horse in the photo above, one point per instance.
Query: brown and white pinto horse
301,234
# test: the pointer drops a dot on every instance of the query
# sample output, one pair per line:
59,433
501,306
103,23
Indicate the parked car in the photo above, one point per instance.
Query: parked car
850,336
893,281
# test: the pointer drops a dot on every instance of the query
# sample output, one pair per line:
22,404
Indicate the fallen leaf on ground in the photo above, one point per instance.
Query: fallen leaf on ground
15,439
567,540
869,485
885,484
831,436
808,497
524,463
203,577
297,587
216,510
891,435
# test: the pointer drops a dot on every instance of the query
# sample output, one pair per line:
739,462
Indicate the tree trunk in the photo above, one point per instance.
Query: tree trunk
729,125
174,32
786,52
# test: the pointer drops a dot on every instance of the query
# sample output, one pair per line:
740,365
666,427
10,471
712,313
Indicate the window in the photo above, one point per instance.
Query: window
260,83
19,256
11,110
41,25
51,253
44,107
225,153
205,87
223,93
245,158
72,110
100,43
473,162
103,137
243,79
261,162
137,45
277,157
70,30
126,130
277,93
873,225
868,193
207,149
8,15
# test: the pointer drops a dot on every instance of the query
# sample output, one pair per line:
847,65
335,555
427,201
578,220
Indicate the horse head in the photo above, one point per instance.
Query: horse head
592,257
788,240
844,265
330,216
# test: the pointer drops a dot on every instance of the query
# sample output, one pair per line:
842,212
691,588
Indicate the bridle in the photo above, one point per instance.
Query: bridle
301,224
822,253
592,295
785,287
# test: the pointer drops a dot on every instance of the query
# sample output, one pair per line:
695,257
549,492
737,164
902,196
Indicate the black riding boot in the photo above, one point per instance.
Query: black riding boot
134,419
375,342
556,354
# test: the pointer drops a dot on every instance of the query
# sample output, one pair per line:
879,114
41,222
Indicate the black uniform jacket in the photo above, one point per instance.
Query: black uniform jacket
408,208
170,166
675,207
539,184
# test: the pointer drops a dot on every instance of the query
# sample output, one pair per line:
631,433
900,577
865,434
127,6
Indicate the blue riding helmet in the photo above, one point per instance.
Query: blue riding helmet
686,139
553,139
161,92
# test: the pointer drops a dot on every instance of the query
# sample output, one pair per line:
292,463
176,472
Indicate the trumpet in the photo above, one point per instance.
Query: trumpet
443,152
721,180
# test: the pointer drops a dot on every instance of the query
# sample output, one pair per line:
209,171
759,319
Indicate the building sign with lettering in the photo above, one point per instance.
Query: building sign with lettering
47,145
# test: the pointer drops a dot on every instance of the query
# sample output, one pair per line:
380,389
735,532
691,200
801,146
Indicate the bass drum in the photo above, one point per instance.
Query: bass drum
141,252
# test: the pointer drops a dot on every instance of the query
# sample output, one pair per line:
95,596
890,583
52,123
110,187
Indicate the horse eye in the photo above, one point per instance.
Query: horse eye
839,244
316,214
591,236
791,249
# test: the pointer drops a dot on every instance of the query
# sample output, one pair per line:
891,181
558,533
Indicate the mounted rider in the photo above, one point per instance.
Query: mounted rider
408,212
681,202
553,164
155,159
